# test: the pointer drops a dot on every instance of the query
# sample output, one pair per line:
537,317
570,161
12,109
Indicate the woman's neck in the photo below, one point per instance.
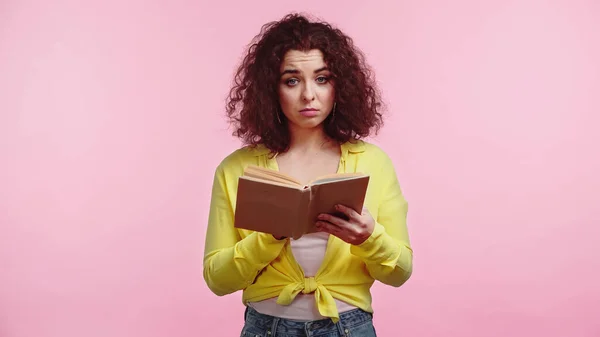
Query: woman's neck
304,141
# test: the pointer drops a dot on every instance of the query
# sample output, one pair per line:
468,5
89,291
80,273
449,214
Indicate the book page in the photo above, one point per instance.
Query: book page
336,177
281,183
270,175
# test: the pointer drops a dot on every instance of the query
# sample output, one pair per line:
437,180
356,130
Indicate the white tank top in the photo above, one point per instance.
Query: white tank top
309,252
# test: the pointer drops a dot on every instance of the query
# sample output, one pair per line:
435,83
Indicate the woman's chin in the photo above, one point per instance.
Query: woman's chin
308,122
311,123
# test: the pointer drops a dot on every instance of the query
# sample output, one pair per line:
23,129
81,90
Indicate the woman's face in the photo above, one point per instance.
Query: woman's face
306,93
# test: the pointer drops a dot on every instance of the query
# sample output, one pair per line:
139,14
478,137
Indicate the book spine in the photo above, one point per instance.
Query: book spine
303,213
311,209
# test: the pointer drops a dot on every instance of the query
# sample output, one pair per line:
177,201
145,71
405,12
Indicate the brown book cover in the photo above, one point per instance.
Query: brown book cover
271,202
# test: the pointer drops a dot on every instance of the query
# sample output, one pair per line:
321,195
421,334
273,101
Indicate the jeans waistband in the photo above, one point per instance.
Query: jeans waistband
284,327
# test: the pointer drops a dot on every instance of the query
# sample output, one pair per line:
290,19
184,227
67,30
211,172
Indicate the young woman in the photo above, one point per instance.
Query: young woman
302,102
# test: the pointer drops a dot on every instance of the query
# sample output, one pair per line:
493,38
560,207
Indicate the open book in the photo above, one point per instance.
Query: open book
271,202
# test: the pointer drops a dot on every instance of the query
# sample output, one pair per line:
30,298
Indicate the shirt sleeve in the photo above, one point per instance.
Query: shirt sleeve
230,262
387,252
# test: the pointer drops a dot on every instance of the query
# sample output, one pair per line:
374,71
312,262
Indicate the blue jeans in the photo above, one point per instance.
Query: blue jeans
352,323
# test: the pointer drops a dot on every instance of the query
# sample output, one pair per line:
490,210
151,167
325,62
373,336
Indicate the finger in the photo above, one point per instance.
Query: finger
337,231
332,219
328,227
349,212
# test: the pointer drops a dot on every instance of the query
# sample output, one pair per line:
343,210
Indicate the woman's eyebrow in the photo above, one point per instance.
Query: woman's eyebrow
296,71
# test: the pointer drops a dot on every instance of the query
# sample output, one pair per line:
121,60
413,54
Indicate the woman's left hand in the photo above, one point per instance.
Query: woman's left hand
355,230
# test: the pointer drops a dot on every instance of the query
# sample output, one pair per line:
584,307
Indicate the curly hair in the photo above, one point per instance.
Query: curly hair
253,102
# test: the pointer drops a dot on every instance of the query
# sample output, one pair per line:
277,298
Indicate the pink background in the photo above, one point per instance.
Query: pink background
111,126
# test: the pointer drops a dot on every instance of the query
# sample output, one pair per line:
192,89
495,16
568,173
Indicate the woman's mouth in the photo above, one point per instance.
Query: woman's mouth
309,112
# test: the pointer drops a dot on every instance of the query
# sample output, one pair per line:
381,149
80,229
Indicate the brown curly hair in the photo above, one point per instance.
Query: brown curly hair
357,98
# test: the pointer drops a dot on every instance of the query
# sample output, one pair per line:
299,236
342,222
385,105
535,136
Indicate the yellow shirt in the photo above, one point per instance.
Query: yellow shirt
264,267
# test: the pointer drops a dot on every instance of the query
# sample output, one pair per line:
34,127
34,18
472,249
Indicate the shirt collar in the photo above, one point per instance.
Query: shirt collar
347,147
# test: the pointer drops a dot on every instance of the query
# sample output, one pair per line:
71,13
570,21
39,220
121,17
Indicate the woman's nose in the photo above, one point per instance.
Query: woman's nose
308,93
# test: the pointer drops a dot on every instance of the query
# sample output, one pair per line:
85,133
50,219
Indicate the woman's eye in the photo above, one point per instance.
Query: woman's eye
322,79
291,81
